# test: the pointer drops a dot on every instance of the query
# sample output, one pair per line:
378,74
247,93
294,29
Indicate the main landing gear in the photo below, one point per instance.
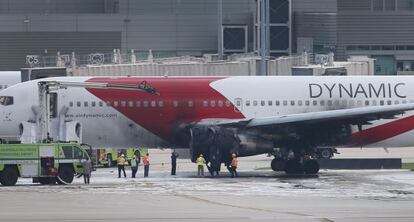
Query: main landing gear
303,165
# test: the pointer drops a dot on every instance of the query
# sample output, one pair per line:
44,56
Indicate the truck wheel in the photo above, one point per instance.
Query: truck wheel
9,176
65,175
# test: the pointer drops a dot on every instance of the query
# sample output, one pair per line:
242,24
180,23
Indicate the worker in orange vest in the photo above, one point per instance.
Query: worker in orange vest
146,164
233,165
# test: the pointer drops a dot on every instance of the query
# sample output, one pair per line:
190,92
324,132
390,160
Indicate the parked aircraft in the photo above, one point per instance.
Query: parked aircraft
289,117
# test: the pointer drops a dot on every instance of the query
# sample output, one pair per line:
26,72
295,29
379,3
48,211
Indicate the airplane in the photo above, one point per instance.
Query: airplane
289,117
9,78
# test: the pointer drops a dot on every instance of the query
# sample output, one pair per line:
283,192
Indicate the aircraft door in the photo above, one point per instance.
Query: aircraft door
238,105
53,104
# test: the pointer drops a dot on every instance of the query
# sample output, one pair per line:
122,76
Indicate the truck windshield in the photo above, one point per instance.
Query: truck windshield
6,100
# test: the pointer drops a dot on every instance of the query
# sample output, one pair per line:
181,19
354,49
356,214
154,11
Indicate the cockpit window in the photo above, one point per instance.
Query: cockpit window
6,100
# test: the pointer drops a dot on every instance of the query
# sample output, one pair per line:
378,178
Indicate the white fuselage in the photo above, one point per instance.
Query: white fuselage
119,124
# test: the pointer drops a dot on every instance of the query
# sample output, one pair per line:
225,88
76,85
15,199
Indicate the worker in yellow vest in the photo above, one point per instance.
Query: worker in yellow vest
121,165
233,165
200,163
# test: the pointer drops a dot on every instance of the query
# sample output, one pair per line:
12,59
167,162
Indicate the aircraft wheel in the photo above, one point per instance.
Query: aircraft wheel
9,176
293,166
326,153
311,167
278,164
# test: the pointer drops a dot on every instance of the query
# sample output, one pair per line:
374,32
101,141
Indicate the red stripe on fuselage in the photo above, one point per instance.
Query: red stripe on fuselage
382,132
164,121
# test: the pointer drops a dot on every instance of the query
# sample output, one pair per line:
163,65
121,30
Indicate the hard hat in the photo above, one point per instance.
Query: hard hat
233,155
122,155
201,155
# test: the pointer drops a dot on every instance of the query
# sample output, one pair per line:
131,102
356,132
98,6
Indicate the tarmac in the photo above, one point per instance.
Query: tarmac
259,194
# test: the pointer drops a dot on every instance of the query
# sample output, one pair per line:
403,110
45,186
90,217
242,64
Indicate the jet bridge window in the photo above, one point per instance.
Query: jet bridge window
6,100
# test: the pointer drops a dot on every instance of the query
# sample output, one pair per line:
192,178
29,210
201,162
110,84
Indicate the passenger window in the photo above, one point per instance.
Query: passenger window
175,103
315,103
228,103
213,103
389,102
367,102
70,104
285,102
329,102
374,102
254,103
153,104
262,103
307,102
277,103
396,102
300,102
138,103
93,103
161,103
6,100
247,102
404,101
108,103
190,103
123,103
292,103
270,103
382,102
78,104
344,102
100,103
322,102
220,103
116,103
1,87
359,103
336,102
145,103
85,104
205,103
131,103
351,103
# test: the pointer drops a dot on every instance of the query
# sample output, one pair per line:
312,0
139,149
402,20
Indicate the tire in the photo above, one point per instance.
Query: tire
65,175
293,167
278,164
9,176
326,153
311,167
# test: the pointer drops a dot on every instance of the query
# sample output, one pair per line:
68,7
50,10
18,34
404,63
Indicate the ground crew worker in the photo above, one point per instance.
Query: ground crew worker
146,164
200,163
233,165
174,156
134,166
121,165
87,170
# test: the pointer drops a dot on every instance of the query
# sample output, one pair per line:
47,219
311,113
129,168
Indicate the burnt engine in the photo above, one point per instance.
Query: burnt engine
218,143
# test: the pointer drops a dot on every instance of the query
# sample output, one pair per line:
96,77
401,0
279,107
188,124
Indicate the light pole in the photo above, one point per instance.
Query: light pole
219,28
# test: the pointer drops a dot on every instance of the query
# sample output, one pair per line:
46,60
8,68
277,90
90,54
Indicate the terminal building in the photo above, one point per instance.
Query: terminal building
380,29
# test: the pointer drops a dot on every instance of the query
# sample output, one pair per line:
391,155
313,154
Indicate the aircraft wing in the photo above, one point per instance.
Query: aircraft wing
354,116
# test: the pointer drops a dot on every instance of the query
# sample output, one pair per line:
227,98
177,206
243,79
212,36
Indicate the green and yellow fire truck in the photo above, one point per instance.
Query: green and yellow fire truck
46,163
